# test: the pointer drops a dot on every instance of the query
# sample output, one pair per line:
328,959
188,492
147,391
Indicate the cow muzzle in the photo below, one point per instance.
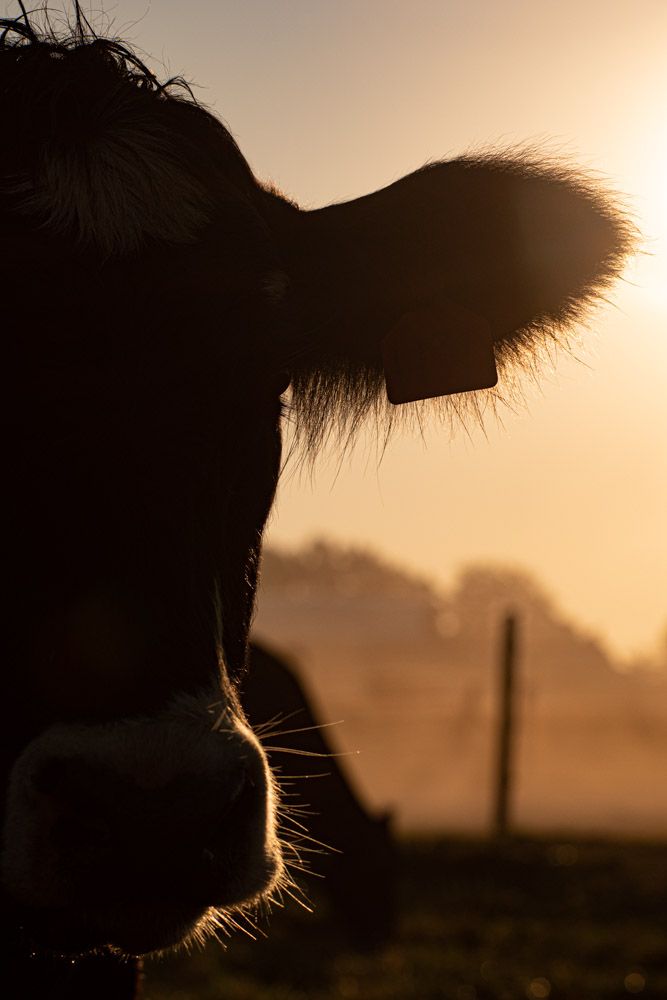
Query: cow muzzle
136,834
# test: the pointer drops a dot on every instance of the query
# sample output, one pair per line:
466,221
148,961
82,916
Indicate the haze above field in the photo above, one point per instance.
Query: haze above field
330,101
413,677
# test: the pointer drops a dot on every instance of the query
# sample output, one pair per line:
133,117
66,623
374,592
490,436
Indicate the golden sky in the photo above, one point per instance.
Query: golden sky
333,99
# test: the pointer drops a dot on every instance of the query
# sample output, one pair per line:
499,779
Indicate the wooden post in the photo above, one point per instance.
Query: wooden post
506,726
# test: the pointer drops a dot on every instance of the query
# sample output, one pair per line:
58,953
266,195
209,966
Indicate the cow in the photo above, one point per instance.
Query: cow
350,845
158,301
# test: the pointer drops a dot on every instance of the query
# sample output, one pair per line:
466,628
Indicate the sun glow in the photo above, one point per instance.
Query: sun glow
650,200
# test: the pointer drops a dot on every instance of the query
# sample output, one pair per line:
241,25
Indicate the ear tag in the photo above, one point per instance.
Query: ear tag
438,351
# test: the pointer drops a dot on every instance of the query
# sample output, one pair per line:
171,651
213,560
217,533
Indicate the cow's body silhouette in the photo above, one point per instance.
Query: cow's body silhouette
157,300
349,845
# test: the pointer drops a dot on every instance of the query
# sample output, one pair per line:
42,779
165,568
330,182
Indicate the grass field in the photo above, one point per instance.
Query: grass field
527,920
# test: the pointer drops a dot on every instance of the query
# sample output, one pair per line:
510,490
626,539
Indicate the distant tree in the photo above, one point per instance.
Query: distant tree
327,565
559,654
485,593
459,627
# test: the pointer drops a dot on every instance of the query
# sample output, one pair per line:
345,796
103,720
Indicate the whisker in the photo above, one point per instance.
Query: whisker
306,906
294,822
302,868
300,777
240,927
310,753
304,729
308,850
314,840
261,727
290,809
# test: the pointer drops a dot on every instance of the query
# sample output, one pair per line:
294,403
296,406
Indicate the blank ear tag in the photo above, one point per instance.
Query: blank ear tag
437,352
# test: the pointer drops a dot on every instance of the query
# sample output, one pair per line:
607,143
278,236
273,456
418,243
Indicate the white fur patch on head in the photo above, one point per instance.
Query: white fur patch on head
119,189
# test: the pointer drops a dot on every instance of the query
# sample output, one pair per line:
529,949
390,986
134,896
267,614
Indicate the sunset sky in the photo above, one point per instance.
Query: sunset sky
330,100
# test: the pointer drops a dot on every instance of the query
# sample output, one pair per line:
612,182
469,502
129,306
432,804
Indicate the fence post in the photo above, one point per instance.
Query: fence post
506,726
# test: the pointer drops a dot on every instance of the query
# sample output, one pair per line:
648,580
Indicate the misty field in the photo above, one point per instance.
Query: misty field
528,919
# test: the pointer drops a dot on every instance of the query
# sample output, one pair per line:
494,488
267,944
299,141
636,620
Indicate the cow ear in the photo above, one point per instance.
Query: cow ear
460,265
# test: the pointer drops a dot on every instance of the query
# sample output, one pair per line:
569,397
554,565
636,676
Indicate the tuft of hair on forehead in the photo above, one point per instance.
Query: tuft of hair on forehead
101,150
331,401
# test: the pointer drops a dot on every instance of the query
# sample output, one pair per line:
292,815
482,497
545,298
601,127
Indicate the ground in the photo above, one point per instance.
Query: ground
525,920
